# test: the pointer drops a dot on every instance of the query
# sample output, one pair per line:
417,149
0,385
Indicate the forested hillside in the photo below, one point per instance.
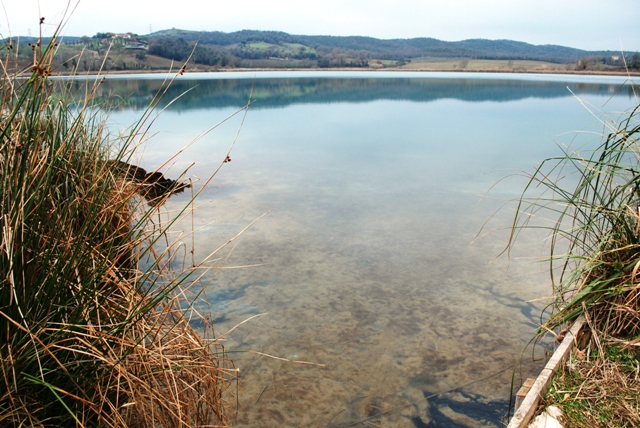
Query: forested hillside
355,50
272,49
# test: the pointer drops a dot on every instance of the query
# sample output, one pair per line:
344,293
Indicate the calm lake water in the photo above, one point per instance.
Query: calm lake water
368,260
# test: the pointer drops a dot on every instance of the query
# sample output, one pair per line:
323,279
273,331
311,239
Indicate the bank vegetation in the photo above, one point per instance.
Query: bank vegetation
95,329
589,201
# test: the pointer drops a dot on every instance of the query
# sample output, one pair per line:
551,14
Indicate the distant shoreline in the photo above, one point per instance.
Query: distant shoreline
361,70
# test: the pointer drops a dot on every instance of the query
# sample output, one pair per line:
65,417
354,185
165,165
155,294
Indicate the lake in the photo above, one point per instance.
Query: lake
372,259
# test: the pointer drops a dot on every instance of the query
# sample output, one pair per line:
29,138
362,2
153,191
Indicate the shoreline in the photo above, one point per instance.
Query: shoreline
362,70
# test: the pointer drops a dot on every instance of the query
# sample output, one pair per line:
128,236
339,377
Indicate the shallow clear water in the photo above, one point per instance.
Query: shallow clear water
368,260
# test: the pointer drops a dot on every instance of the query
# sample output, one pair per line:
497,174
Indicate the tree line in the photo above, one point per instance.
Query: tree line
329,49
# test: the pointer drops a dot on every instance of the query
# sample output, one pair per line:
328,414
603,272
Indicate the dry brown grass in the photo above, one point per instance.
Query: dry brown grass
93,318
599,386
172,378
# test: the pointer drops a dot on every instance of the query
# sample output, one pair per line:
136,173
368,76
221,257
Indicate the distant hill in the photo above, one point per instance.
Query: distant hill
45,40
212,50
249,44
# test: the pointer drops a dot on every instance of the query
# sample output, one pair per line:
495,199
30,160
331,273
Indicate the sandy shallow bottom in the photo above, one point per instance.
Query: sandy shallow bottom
411,324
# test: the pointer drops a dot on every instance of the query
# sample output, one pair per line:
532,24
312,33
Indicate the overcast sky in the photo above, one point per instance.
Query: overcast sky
584,24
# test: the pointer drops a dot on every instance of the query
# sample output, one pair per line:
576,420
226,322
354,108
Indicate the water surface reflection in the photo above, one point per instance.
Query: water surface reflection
368,260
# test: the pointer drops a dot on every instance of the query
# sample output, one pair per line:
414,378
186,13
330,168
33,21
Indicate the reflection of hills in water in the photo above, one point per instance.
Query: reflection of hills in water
281,92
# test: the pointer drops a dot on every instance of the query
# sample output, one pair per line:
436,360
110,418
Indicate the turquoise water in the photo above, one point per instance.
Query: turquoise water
368,261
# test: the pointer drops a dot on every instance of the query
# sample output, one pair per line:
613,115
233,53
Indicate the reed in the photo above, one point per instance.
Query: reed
90,337
590,203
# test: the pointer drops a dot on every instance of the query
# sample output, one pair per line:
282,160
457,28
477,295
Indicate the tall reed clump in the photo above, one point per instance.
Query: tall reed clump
593,205
86,337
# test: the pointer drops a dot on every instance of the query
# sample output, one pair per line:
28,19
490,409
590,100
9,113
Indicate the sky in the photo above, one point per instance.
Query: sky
583,24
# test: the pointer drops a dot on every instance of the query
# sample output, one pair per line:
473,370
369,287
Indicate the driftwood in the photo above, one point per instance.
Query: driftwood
152,186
